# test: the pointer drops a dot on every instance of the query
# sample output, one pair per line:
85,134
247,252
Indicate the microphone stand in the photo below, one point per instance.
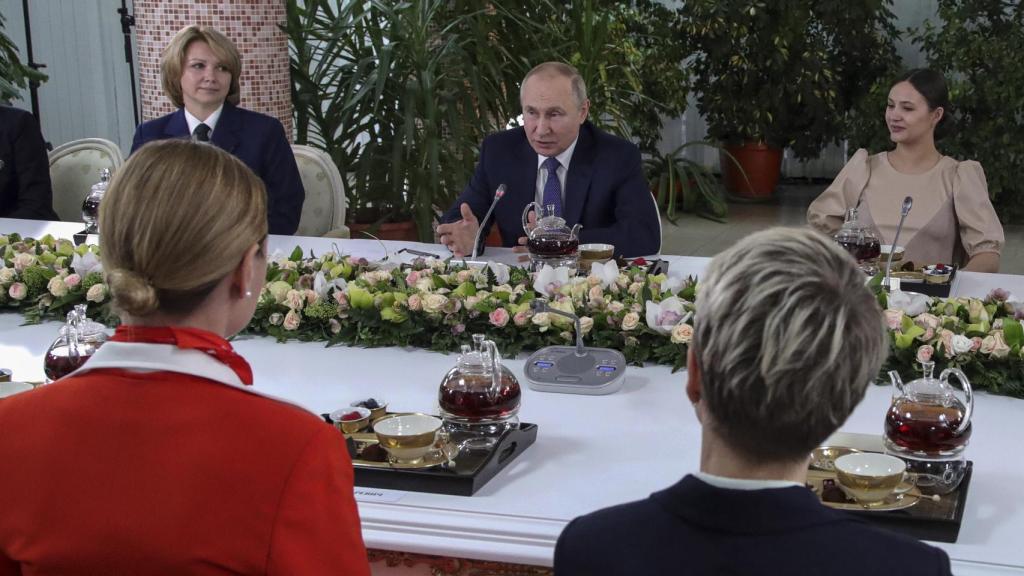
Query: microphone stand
908,202
480,230
541,305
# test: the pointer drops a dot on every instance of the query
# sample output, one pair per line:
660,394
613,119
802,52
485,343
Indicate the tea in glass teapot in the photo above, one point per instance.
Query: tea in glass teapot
78,340
551,241
479,396
861,241
929,426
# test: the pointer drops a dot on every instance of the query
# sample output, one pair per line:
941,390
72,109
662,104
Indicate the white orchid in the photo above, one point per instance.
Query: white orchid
322,286
674,283
663,316
549,280
607,272
911,303
502,272
85,265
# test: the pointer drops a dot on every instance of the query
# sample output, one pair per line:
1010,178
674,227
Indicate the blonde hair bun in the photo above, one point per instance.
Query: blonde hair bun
132,293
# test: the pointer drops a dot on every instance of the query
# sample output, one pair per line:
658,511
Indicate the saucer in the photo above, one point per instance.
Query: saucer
442,453
891,502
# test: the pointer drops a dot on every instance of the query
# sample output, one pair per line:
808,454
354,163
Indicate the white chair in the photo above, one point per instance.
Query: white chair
323,211
74,168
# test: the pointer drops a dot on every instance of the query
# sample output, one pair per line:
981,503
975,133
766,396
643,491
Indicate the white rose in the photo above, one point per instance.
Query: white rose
542,320
586,324
630,321
434,303
425,284
22,261
961,344
97,293
57,287
415,302
6,275
276,318
615,307
682,333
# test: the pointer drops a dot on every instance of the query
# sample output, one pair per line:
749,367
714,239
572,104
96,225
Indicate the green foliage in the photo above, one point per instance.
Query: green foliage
786,72
685,185
14,76
977,45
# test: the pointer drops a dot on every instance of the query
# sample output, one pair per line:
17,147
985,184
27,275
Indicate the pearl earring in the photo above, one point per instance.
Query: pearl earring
248,293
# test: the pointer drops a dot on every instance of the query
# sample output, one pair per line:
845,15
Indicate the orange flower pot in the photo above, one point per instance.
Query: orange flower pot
761,163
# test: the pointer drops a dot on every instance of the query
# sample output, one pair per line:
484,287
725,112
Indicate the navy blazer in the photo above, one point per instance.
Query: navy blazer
696,529
260,142
606,190
25,189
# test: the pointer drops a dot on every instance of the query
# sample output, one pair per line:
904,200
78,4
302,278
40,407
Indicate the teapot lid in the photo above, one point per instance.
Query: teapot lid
81,324
928,388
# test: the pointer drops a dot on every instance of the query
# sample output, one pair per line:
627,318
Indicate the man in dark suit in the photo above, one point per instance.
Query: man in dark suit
199,71
769,380
557,158
25,190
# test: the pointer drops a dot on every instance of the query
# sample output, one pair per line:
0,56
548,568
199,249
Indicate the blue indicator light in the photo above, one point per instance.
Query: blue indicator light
606,368
543,364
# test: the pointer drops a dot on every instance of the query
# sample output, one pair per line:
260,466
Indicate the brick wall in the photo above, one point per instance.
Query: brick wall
251,24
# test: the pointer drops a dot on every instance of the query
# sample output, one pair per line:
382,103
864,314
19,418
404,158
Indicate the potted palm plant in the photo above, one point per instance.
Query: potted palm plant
783,74
13,74
681,184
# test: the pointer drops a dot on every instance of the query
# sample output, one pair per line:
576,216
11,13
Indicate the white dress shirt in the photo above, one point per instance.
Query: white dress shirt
743,483
210,121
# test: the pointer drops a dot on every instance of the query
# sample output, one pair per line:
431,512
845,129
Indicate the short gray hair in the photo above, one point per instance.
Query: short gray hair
787,337
579,87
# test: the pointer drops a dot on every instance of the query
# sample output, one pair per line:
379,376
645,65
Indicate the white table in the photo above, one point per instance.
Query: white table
590,452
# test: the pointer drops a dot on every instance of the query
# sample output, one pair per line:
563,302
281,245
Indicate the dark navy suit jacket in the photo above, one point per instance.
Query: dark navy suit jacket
260,142
605,191
697,529
25,189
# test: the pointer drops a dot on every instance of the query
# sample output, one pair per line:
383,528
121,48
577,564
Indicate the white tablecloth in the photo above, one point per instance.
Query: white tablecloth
590,452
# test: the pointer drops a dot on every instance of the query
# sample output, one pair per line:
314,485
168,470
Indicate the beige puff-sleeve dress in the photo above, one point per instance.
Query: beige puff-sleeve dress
952,218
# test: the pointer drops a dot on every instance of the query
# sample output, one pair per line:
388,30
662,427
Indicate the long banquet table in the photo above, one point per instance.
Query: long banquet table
591,452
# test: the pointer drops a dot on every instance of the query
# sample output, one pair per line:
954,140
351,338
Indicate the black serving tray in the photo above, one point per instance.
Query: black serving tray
927,520
929,289
468,471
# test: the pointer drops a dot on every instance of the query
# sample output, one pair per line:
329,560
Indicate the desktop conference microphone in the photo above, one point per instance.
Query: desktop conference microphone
476,241
904,210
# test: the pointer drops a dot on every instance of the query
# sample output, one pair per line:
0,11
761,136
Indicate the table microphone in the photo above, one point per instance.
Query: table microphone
904,210
480,230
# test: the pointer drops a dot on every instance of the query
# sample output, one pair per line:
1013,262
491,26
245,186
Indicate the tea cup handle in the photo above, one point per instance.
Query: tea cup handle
526,211
907,483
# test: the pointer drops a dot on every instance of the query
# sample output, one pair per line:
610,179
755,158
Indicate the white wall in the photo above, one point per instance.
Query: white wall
89,91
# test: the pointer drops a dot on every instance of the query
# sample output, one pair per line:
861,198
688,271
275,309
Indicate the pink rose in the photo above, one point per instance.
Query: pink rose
975,343
682,333
295,299
72,280
411,278
499,317
292,320
946,339
894,319
415,302
630,321
925,353
521,318
341,299
311,296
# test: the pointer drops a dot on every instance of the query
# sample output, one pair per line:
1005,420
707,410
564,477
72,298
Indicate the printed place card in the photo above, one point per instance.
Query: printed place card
378,495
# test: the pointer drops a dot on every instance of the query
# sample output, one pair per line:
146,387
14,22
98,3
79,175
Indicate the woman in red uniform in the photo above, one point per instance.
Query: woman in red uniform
157,457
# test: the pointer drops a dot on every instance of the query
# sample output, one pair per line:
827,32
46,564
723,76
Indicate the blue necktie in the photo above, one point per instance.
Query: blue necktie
552,187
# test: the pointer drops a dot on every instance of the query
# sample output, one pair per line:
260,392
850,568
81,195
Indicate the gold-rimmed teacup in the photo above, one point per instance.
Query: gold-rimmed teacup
594,254
870,477
407,437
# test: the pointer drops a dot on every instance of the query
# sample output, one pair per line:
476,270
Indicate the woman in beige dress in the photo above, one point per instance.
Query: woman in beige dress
952,219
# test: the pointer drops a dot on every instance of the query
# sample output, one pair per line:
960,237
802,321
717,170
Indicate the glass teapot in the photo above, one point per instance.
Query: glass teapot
861,241
550,241
91,204
78,341
479,394
927,420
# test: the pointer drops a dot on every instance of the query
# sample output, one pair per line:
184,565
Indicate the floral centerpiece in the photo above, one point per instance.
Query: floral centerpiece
436,304
982,337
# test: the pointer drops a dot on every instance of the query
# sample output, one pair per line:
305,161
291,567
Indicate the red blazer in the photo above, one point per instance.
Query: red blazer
114,471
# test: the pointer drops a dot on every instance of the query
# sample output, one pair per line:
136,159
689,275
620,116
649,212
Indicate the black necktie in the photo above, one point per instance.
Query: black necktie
201,133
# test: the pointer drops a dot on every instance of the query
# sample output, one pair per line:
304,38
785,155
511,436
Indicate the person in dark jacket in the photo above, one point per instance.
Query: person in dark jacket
786,339
25,190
